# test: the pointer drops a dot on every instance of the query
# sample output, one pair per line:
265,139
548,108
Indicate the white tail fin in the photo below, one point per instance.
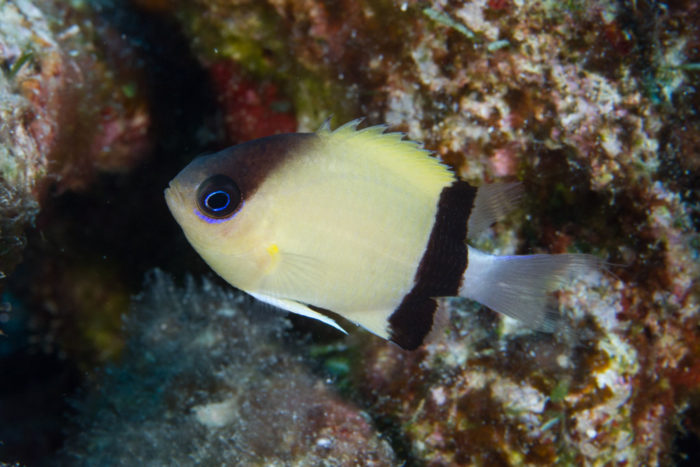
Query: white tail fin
517,286
492,203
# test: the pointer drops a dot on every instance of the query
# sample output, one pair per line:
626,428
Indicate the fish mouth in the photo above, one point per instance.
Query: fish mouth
173,198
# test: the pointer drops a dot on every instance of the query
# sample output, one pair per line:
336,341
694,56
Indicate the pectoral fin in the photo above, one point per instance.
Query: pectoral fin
298,308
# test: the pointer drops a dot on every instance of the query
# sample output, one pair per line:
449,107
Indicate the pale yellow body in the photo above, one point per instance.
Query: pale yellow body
341,220
342,226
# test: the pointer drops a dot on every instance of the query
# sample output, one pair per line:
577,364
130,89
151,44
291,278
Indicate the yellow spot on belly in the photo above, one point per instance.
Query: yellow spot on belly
274,251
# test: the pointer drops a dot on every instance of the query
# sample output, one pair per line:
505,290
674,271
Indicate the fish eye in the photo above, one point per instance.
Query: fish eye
218,196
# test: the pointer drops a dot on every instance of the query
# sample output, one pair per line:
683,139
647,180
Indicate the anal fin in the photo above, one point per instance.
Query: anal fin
412,321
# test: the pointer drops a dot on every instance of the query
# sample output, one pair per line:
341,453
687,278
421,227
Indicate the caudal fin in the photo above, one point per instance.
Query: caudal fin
517,286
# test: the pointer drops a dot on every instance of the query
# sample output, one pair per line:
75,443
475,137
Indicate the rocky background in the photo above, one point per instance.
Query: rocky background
593,105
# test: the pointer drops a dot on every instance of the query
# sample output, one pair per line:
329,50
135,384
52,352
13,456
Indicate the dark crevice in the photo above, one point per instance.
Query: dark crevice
119,223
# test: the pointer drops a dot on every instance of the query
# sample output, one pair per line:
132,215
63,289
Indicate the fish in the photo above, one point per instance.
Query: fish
360,223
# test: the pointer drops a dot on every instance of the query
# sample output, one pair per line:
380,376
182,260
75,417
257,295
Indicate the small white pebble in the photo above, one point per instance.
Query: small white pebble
563,361
215,415
68,33
438,395
324,443
226,312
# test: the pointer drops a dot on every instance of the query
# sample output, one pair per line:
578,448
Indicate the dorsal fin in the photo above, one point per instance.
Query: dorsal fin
325,126
390,151
492,203
350,130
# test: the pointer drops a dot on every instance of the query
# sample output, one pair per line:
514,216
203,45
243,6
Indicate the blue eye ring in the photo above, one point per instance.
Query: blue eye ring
217,201
218,197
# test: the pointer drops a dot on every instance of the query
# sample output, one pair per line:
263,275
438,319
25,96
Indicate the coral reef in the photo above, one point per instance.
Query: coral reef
22,145
583,102
591,104
205,380
67,111
78,118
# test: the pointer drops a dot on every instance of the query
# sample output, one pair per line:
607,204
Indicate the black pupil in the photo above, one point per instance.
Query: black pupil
218,197
218,201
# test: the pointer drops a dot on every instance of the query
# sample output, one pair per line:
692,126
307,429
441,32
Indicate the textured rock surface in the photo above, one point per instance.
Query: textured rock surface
68,110
207,381
592,105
